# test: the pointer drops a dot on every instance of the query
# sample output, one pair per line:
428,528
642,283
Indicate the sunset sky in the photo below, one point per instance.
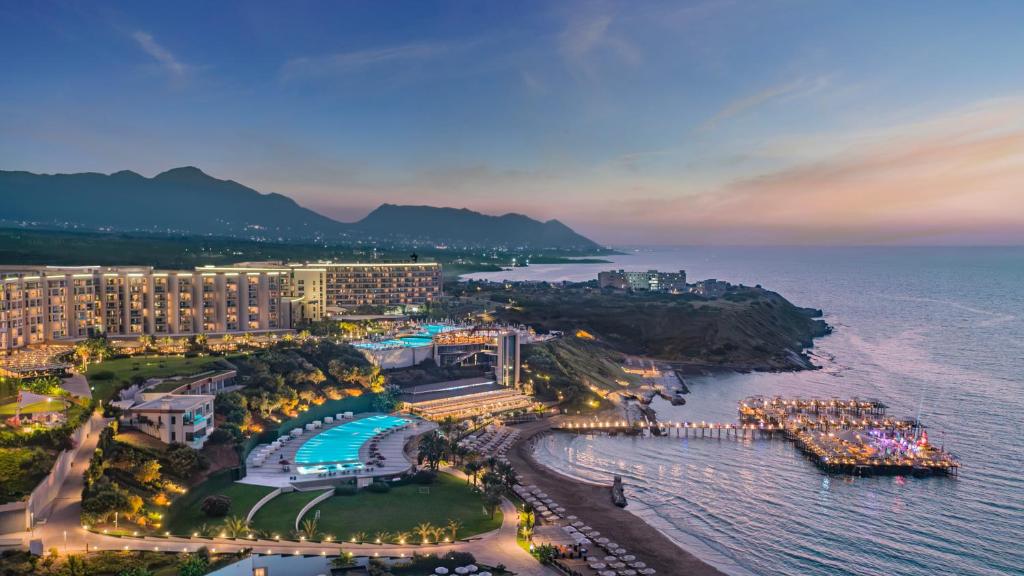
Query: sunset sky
788,122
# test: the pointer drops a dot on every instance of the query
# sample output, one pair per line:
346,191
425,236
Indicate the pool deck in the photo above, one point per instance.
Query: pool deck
391,447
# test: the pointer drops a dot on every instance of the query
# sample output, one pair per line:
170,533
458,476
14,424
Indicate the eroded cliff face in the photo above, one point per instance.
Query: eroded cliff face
748,329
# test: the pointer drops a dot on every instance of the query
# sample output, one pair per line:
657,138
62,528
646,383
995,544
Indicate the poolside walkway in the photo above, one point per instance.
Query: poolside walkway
391,447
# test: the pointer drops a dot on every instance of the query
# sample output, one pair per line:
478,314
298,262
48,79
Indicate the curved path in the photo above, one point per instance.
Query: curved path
63,532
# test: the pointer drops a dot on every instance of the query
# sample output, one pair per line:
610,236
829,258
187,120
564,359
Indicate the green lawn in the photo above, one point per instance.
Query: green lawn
143,442
401,509
44,406
278,516
122,371
185,516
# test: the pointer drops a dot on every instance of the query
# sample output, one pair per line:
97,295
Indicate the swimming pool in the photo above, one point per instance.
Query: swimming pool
423,338
339,446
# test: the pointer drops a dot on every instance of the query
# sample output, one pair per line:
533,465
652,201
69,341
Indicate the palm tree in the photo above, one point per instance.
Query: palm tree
453,528
424,530
382,536
402,537
309,529
439,533
236,527
472,471
507,474
432,448
359,537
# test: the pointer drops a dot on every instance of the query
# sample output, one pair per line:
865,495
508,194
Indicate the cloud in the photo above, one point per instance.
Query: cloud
955,177
801,86
585,35
346,62
160,54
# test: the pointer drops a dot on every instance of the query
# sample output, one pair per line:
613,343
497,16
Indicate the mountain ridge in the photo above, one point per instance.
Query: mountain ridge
187,200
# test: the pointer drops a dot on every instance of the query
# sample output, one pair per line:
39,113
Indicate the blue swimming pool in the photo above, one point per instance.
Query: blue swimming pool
424,338
339,446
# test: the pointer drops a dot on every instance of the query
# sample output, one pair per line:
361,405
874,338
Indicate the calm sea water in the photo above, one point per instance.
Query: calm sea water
932,331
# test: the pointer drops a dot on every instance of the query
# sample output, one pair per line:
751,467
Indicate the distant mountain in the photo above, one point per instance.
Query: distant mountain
182,200
464,227
188,201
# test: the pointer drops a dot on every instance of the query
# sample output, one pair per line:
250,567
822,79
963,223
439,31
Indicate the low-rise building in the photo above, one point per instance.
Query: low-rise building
649,281
184,418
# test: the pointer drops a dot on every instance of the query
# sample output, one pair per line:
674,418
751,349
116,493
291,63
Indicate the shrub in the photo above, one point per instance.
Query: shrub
424,477
379,487
216,505
103,375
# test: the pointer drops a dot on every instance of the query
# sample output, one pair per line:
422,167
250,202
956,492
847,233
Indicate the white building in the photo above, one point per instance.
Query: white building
186,419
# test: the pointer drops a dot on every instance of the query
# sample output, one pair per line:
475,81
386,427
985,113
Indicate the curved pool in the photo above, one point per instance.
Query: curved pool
339,446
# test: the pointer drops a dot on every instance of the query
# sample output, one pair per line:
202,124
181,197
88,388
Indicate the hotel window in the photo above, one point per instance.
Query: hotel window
260,572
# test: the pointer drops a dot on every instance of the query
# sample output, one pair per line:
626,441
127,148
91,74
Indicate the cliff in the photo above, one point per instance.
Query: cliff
747,329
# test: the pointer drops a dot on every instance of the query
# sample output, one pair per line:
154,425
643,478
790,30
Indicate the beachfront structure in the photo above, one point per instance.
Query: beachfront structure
183,418
649,281
465,398
53,304
323,289
44,304
711,288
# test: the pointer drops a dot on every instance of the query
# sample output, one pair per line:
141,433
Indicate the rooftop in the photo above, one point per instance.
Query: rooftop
173,402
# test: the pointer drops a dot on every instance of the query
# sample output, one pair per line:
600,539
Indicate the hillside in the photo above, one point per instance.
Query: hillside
187,201
182,200
462,227
748,329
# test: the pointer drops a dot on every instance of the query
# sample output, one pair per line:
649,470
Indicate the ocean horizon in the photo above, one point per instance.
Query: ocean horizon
934,332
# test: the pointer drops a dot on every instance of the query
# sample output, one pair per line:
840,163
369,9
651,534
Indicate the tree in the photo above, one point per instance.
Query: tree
135,571
148,472
236,527
309,529
75,566
432,448
453,528
382,536
216,505
424,530
184,461
472,470
402,537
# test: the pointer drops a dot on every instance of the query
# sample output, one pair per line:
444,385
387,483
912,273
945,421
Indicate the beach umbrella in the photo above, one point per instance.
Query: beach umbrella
638,564
648,571
573,517
602,540
619,552
610,558
471,568
593,533
627,572
484,574
586,529
607,573
598,565
617,565
460,570
568,529
584,542
628,558
611,546
440,570
593,559
577,523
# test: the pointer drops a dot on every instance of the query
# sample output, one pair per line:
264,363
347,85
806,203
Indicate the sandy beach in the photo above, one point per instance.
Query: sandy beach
593,505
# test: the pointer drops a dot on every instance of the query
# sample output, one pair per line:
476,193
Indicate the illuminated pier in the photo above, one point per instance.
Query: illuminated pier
844,436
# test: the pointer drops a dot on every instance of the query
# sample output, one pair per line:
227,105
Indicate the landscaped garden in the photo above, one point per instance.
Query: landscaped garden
110,376
186,515
407,509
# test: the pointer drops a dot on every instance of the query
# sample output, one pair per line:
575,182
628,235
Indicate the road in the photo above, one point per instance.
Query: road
63,532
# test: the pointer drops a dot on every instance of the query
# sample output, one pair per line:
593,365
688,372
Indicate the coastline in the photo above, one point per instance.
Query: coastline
592,503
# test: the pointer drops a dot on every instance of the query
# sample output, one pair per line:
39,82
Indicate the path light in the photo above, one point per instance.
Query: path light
195,534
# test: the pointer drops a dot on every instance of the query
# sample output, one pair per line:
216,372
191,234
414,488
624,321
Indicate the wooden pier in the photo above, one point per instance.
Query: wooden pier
840,436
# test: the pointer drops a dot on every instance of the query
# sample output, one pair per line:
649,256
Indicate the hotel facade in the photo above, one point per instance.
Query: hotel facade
48,304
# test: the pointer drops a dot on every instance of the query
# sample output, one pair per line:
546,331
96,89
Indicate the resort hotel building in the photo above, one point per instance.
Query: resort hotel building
183,418
54,304
649,281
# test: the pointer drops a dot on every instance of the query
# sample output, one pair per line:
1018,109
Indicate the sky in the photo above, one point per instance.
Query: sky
703,122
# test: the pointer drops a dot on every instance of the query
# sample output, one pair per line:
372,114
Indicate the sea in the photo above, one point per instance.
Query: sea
935,333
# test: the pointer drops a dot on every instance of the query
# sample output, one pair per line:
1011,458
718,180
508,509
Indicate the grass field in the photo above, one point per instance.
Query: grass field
143,442
185,516
278,515
122,370
401,509
10,408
